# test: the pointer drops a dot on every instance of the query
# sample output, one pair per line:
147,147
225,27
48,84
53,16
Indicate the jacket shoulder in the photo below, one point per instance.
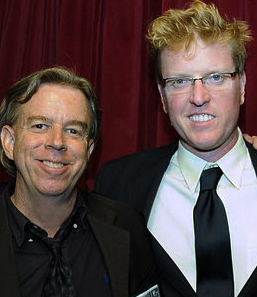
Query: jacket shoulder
100,206
130,178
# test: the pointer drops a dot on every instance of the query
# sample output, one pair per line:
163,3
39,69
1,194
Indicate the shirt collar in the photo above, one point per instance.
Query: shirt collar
191,167
18,221
232,164
81,208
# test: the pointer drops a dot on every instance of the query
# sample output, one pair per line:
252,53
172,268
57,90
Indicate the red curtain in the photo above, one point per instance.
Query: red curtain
104,41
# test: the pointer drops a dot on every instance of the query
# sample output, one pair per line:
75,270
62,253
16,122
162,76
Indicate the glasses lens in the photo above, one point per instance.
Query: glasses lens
179,85
218,82
212,82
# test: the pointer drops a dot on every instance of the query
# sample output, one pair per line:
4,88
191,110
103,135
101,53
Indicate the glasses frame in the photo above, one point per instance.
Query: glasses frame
163,81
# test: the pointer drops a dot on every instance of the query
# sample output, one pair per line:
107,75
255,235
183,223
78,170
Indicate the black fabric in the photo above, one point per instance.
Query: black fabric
34,258
170,276
137,186
59,281
212,241
109,251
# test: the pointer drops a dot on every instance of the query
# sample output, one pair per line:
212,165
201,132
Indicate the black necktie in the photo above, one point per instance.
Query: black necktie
212,241
59,281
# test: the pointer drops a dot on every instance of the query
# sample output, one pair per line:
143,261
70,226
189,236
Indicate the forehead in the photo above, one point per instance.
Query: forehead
200,58
57,102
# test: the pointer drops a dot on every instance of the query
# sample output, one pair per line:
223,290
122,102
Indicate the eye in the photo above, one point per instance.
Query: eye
72,131
178,83
39,126
215,78
75,132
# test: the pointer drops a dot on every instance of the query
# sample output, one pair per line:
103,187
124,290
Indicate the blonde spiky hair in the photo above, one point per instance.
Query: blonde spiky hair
177,29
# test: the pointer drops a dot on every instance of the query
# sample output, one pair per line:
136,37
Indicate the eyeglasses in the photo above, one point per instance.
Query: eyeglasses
212,82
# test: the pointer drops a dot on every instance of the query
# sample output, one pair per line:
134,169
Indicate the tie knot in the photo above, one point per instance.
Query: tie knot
210,178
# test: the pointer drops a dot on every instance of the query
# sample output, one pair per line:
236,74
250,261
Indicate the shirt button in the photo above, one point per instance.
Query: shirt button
75,226
30,240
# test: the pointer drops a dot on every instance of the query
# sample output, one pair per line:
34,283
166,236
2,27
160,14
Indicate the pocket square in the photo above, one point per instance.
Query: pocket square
152,292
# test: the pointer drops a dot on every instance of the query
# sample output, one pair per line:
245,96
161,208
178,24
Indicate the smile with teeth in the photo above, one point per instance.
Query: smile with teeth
53,164
201,117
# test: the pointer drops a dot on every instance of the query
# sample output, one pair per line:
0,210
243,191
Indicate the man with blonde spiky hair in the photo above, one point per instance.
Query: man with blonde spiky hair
204,236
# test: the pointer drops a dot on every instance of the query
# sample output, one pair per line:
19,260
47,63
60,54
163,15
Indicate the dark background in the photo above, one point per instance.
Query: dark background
104,41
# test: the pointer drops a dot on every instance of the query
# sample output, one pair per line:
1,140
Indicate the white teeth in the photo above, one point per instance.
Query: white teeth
201,117
53,165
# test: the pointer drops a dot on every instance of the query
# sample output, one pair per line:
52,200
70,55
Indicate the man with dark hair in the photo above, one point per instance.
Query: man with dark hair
55,240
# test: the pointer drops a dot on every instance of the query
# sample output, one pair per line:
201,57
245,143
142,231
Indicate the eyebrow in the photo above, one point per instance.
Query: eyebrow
37,118
82,124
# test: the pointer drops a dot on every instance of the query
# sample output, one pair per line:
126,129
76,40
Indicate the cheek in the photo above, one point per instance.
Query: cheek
25,143
79,150
20,146
22,152
231,104
176,108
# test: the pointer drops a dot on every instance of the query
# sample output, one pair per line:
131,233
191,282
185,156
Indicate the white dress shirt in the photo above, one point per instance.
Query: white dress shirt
171,217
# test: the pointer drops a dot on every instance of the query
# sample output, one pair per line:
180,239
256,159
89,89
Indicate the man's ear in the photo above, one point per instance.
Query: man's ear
163,98
242,88
7,139
91,146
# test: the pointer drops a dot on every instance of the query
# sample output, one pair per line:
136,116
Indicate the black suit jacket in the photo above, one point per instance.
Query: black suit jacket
122,237
134,179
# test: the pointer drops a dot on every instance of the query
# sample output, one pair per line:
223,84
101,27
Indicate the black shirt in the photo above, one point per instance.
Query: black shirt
90,276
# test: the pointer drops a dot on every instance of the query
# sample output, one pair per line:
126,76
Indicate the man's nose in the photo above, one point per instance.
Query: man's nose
56,139
199,95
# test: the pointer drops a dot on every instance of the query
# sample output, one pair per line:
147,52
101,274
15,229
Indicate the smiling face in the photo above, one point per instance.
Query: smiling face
49,143
205,120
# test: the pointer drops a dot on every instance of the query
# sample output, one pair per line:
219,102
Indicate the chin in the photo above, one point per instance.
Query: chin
204,142
52,191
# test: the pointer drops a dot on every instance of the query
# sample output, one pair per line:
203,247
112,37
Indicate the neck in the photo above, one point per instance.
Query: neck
215,154
46,212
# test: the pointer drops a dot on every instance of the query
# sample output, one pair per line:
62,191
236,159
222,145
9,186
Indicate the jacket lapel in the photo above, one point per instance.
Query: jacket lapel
170,273
253,155
153,175
114,244
250,288
167,269
8,275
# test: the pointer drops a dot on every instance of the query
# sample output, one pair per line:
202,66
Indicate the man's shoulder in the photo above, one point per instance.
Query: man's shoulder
4,185
100,205
111,211
130,178
253,154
